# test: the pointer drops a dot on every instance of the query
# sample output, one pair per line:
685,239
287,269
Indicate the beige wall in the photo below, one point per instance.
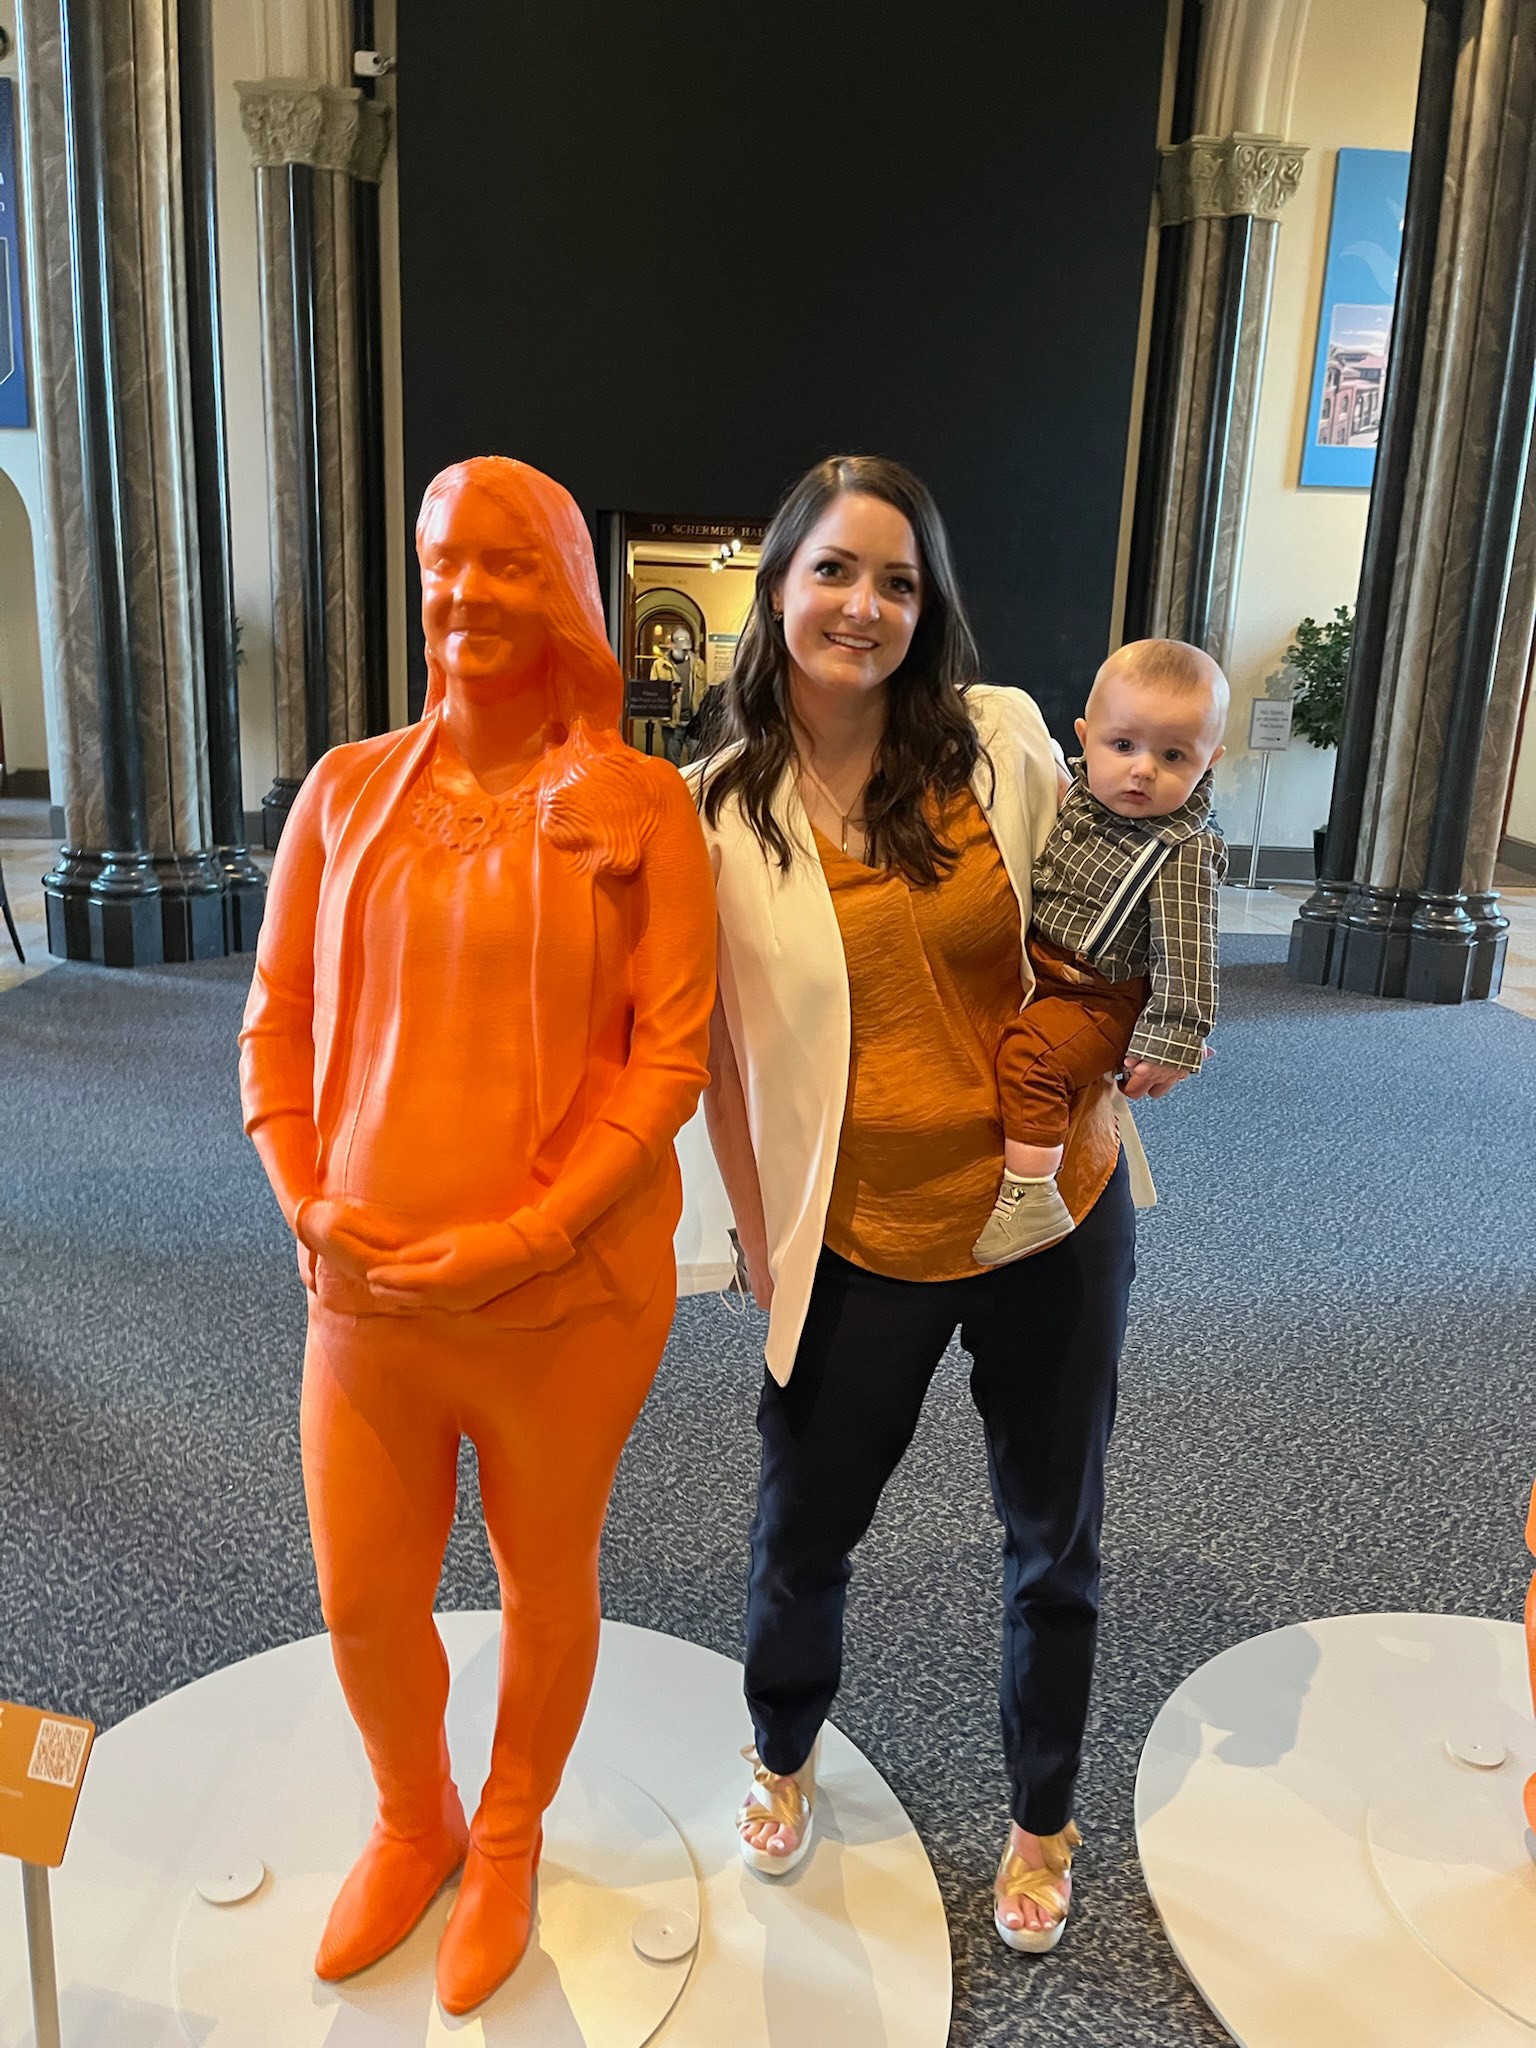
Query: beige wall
1355,89
21,663
1522,795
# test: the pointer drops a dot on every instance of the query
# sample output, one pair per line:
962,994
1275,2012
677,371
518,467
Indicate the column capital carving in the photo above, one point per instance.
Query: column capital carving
1215,176
301,121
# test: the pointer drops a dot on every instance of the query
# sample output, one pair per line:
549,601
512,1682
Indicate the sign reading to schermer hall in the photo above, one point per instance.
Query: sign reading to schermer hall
13,361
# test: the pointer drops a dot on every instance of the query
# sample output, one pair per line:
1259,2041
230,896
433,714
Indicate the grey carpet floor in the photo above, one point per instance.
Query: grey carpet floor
1327,1407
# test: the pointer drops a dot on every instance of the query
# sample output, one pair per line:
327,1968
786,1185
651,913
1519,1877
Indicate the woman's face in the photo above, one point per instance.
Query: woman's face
482,592
852,595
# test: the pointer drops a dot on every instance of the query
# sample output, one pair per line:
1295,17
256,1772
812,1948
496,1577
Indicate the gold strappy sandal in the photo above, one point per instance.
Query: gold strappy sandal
779,1802
1016,1880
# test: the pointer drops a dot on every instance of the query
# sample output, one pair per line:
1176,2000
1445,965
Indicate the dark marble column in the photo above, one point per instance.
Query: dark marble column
139,879
103,901
244,887
1159,401
313,144
1405,904
1221,198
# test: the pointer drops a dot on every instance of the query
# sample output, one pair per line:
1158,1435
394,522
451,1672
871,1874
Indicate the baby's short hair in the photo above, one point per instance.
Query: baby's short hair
1172,665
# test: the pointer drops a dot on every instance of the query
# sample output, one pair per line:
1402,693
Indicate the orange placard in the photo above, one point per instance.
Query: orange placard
42,1767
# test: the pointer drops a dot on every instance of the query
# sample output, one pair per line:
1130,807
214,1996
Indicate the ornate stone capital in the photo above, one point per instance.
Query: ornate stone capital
1215,176
300,121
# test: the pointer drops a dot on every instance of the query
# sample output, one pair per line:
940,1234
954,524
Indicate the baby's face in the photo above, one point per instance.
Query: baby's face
1145,748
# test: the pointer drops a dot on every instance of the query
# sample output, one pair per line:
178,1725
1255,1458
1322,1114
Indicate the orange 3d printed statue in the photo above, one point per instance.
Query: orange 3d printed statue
479,1017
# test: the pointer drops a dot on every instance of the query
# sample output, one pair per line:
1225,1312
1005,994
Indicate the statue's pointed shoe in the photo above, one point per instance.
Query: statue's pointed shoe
385,1893
489,1928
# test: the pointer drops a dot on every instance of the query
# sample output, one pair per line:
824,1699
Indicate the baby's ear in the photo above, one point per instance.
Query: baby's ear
1215,757
1080,727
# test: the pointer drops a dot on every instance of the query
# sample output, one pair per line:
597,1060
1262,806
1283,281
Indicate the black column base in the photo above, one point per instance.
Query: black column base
1314,943
1492,944
104,908
1373,951
126,931
1438,968
191,906
245,899
1403,943
1315,940
275,806
66,902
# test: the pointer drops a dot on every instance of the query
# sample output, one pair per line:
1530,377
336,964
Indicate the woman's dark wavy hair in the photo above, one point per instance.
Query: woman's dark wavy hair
930,747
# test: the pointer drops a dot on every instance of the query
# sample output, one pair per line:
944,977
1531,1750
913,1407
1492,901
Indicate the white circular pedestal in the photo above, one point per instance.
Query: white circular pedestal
1327,1873
260,1761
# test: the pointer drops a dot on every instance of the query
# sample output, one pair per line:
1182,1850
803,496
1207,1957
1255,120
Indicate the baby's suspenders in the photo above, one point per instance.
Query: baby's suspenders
1133,885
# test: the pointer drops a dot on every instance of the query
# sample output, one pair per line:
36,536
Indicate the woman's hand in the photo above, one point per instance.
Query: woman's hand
464,1268
761,1281
456,1269
754,1257
1147,1079
345,1234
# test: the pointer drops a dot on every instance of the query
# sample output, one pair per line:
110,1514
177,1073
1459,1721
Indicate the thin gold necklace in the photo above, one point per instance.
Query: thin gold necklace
844,816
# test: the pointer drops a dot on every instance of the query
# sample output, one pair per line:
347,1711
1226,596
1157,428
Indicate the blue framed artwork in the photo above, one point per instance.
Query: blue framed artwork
13,357
1354,331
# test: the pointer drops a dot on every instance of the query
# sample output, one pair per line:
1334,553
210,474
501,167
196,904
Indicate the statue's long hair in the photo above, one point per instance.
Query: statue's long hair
596,798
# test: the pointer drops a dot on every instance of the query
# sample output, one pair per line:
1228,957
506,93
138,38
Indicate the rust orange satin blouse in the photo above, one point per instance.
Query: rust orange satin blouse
933,976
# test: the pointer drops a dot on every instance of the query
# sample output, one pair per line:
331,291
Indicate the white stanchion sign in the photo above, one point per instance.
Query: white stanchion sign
1269,732
1269,725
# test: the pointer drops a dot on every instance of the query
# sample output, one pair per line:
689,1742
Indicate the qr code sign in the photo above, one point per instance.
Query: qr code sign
58,1753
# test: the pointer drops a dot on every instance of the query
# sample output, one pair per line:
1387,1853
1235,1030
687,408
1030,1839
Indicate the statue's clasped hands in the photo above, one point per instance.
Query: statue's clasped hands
457,1270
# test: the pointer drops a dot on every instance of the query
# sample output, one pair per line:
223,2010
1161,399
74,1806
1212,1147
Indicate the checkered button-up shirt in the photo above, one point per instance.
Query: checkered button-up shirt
1169,936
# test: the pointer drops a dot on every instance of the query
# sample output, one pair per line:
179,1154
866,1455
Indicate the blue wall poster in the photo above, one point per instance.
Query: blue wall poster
1365,240
13,358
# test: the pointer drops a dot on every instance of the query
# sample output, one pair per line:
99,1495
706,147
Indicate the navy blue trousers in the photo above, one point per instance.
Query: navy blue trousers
1044,1335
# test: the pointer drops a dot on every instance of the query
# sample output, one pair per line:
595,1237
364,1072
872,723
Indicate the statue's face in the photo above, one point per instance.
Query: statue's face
482,592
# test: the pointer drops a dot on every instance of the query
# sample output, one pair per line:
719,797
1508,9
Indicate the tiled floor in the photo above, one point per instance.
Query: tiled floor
26,861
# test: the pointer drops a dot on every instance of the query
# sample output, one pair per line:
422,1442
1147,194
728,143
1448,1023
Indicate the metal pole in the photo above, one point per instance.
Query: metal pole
1258,822
45,1985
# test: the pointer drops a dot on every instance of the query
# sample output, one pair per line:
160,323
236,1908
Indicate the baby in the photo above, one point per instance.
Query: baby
1123,932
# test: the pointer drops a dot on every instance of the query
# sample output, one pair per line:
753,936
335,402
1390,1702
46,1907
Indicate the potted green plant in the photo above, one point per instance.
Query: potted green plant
1318,658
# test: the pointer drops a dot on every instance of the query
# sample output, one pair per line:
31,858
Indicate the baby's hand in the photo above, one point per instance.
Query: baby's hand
1150,1078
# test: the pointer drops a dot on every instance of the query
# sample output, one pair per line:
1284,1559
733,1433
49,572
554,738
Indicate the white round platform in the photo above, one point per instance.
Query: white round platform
1326,1872
260,1761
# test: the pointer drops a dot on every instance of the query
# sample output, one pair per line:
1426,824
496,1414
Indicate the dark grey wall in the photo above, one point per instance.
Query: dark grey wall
673,251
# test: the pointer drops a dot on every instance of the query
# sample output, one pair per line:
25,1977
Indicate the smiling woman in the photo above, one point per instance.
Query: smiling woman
873,814
856,592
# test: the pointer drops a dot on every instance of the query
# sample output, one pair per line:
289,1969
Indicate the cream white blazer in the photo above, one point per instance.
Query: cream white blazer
784,991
